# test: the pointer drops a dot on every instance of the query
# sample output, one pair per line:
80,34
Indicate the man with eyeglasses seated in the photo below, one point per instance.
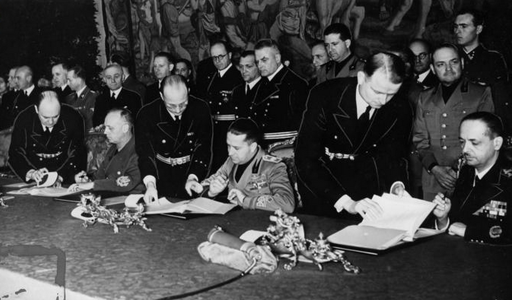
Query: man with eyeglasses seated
173,139
217,91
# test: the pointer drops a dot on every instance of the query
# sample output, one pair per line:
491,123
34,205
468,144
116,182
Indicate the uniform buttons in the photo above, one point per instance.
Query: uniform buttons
443,137
374,145
444,147
255,114
463,111
164,141
335,137
444,125
445,115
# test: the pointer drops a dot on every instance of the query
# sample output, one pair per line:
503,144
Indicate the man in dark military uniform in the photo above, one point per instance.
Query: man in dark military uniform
479,207
254,180
280,100
218,94
6,118
353,139
163,64
47,137
119,171
115,96
60,80
343,63
173,140
82,98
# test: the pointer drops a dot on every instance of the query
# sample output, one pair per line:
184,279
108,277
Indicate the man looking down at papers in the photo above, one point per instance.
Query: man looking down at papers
119,171
255,180
477,210
353,139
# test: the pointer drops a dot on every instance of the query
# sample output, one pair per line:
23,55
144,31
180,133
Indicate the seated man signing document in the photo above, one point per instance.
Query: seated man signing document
119,171
255,180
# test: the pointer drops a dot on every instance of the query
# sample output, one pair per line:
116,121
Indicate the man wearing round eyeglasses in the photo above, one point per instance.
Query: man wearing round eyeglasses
114,96
173,140
218,93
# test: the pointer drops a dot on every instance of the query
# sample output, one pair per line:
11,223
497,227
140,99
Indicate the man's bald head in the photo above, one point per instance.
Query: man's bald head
48,109
24,77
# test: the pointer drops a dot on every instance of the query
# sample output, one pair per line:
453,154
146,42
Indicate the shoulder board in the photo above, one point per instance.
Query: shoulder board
271,158
506,172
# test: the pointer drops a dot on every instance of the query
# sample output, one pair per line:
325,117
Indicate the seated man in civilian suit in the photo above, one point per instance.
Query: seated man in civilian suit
353,139
119,171
243,94
60,80
280,100
48,137
343,63
82,98
163,64
478,208
439,112
173,139
115,96
130,82
255,180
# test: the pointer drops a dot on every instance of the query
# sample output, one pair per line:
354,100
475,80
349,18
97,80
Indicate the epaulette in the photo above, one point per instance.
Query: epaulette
271,158
506,172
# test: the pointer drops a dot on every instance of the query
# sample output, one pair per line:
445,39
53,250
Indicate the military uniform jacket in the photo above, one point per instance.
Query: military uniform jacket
486,67
436,125
63,152
157,135
484,207
119,164
278,105
63,93
327,71
242,101
6,109
84,104
11,107
152,92
125,99
366,163
264,182
219,92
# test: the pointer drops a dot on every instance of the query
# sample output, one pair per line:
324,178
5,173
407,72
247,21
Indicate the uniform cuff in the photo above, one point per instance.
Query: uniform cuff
148,179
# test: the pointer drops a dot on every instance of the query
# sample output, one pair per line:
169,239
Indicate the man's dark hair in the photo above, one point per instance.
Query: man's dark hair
79,71
493,122
173,80
65,66
247,127
167,55
318,43
478,16
340,29
186,62
390,63
267,43
247,53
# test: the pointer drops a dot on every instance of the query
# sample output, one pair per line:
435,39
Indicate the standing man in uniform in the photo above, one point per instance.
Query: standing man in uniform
173,140
243,94
255,180
344,63
119,171
48,137
439,112
6,114
163,64
353,139
218,94
280,101
82,98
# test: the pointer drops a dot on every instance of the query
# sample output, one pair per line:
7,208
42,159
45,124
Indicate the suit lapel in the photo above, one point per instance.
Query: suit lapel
270,88
346,114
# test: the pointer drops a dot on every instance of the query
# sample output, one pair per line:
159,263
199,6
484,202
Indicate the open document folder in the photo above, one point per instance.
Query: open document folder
199,205
400,221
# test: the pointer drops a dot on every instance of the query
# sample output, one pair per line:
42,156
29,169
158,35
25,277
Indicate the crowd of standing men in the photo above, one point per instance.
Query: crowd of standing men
358,126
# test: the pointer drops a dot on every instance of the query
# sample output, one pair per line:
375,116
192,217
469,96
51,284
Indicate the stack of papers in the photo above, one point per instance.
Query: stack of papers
199,205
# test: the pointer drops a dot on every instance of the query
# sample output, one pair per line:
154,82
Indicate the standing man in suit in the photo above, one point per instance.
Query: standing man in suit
243,94
173,139
28,93
82,98
479,208
60,80
163,64
353,139
438,115
47,137
130,82
218,94
115,96
280,101
6,113
343,63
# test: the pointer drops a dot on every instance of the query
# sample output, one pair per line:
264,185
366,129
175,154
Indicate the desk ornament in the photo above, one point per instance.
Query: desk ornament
90,211
287,240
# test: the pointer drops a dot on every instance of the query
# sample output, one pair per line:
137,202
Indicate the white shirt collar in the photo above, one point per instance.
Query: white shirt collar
423,75
482,174
116,92
361,104
223,71
63,87
253,83
29,90
78,93
270,77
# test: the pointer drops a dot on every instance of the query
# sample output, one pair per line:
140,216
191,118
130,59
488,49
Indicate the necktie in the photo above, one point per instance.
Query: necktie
113,97
476,181
46,133
247,89
364,119
26,93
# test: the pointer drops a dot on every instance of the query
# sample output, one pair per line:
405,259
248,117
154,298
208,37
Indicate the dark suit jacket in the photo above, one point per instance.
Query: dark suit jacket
241,101
126,99
330,122
152,93
278,105
13,105
131,83
484,208
63,152
157,134
62,94
7,113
